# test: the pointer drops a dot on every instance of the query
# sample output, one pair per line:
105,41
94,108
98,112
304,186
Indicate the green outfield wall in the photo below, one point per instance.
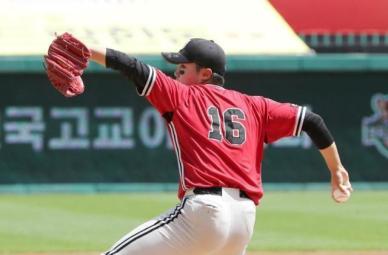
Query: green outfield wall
110,135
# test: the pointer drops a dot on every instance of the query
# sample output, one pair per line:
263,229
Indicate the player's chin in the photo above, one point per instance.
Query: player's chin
178,78
185,81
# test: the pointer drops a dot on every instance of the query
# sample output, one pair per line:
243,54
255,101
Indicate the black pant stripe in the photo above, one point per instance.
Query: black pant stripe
160,223
140,232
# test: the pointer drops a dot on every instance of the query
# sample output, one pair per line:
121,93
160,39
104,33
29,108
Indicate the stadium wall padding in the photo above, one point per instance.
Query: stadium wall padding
110,134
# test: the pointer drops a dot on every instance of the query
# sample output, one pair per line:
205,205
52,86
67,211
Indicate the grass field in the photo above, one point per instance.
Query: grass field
286,221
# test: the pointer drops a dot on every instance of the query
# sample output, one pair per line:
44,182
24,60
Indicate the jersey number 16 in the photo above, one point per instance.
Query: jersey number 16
234,130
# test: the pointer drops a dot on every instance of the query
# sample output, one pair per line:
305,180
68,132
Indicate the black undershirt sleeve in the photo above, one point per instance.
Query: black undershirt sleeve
134,69
315,127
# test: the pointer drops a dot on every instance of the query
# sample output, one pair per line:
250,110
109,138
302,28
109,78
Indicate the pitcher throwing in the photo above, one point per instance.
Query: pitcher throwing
218,136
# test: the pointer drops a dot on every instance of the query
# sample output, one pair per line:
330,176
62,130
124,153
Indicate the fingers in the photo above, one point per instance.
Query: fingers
345,188
339,196
341,180
69,93
341,186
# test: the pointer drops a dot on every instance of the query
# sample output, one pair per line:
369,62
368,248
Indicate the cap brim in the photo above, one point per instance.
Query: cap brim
174,58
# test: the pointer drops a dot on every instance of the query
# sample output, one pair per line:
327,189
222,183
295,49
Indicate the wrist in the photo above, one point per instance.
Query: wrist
98,56
336,168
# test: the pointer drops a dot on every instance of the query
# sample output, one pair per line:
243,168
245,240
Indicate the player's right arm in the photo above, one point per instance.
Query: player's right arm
164,93
315,127
339,175
282,120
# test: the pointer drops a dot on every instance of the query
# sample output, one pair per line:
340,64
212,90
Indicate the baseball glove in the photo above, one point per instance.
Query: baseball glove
65,62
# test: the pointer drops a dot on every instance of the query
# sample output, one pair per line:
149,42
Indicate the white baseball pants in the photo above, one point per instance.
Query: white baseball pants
201,224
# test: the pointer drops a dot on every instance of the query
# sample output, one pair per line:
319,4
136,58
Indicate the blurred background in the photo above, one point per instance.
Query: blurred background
328,55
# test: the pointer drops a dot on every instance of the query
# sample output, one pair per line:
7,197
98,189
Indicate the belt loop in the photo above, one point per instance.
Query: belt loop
243,194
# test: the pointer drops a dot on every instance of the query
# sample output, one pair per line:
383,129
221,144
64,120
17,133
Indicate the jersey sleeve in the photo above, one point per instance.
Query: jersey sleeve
163,92
282,120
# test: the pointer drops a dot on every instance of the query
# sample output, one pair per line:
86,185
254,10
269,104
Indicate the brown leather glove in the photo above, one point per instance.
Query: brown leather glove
65,62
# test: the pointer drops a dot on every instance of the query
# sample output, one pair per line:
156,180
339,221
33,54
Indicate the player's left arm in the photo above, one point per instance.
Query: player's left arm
163,92
98,55
135,70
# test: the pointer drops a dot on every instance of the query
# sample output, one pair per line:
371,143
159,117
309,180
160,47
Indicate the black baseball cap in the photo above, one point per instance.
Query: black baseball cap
203,52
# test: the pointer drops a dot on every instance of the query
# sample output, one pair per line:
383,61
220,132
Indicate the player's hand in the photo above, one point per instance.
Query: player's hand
340,185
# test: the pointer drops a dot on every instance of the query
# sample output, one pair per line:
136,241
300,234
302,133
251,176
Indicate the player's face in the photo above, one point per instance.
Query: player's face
189,74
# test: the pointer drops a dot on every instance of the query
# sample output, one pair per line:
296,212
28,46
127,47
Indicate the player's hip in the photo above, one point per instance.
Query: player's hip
222,214
200,224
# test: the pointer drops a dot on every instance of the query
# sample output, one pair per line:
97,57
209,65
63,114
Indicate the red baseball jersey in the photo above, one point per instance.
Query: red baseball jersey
219,134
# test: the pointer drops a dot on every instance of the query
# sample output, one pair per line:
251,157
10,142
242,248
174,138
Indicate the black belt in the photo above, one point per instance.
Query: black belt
215,191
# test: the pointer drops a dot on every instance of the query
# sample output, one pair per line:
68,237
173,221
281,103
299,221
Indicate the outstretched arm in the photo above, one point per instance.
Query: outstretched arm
166,92
98,56
140,74
315,127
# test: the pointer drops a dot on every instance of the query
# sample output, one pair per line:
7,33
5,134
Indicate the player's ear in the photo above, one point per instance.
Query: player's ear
206,74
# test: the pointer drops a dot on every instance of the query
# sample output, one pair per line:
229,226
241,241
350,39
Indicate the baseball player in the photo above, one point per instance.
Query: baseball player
218,136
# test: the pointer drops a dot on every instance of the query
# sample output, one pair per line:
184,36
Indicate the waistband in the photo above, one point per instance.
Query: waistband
217,191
